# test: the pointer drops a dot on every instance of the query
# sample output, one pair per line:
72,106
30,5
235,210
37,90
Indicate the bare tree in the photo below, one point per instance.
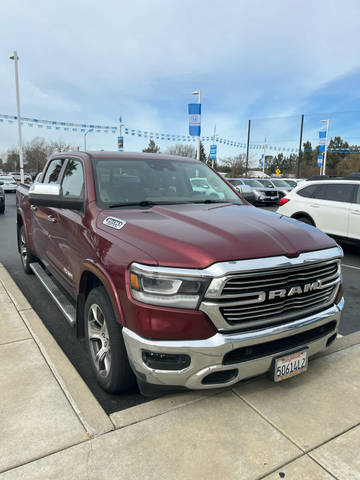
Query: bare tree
236,165
182,150
12,163
152,147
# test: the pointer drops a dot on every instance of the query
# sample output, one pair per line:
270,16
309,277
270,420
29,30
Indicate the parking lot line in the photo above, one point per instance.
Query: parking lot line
350,266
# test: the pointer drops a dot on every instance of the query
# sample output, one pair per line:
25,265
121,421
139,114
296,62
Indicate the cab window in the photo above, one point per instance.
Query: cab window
73,180
53,171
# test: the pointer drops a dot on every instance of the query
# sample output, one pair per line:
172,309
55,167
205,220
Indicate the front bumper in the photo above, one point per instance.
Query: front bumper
207,355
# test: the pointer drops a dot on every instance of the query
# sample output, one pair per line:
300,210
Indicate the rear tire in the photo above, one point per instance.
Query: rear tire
304,219
25,254
105,344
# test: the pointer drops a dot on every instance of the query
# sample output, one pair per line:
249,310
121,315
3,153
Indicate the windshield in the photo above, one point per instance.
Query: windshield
292,183
122,182
7,179
266,183
235,182
280,183
252,183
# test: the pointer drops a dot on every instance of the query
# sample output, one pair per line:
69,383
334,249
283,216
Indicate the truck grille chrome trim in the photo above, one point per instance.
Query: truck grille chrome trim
257,297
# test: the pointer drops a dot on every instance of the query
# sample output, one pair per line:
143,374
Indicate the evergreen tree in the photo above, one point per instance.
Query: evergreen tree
203,156
152,147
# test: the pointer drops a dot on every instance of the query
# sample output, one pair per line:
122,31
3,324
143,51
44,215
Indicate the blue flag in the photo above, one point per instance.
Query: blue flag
195,119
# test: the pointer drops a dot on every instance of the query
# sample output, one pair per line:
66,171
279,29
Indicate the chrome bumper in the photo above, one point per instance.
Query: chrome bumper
207,355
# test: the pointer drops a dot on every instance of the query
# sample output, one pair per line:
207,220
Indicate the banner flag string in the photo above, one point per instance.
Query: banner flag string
83,127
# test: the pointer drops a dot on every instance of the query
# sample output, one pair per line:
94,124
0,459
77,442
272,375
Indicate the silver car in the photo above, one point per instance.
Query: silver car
9,183
277,184
244,190
263,195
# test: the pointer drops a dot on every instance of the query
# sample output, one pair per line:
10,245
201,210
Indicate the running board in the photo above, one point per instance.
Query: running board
65,306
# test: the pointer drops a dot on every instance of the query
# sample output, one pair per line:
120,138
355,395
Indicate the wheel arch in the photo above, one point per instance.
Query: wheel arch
94,276
20,221
298,215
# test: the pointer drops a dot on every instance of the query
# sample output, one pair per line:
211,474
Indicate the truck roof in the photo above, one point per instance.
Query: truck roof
124,155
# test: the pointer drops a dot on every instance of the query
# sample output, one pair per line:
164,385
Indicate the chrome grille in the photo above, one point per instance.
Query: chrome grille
243,300
270,194
251,281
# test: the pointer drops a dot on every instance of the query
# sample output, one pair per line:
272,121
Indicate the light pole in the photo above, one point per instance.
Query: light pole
120,138
198,93
90,130
16,58
326,144
213,142
263,169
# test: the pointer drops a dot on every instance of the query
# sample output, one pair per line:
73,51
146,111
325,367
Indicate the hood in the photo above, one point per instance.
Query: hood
196,236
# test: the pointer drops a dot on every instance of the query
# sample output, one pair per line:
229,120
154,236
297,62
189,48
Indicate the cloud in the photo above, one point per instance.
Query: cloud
92,61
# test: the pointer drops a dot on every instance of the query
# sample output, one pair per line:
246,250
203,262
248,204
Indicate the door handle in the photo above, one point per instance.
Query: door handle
51,218
355,212
34,208
316,205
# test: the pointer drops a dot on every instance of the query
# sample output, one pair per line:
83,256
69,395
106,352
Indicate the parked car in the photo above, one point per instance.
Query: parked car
9,183
245,190
293,182
263,195
277,184
2,198
17,176
169,286
202,186
331,205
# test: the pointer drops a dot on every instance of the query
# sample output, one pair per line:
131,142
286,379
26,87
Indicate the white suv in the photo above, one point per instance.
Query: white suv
331,205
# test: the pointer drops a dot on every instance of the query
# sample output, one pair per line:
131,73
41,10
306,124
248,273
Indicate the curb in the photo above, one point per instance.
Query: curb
91,414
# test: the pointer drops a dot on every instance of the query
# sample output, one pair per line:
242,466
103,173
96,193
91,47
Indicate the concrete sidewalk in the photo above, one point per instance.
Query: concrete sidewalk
52,427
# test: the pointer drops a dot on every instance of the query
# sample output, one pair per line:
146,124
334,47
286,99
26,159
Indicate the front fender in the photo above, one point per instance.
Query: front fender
106,280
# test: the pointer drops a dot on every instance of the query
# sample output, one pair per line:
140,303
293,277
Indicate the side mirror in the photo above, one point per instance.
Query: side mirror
50,195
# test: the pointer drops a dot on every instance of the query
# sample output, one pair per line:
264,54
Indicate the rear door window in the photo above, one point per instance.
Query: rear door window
336,192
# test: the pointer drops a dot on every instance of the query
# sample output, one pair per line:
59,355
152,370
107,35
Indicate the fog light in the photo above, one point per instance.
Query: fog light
165,361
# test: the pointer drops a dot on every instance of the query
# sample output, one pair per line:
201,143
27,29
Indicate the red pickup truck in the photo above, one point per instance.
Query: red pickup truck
176,286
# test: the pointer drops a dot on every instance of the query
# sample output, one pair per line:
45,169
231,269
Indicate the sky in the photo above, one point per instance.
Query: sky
269,61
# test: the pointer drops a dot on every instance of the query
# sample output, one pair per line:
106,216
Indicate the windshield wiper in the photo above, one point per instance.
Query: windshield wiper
143,203
208,200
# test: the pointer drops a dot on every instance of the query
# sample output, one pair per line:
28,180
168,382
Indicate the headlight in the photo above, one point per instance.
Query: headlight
166,287
258,193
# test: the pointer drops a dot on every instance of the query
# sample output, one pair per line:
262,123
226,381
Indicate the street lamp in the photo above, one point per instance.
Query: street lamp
16,58
198,93
90,130
326,143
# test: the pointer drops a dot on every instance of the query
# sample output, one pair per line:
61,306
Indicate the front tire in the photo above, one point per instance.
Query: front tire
105,344
25,254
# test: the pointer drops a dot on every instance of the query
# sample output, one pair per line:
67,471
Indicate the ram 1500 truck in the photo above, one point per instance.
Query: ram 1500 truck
171,285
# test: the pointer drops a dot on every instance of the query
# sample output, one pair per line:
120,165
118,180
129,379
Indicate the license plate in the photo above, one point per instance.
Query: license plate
290,365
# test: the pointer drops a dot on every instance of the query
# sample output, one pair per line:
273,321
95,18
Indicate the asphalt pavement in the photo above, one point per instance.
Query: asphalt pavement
75,351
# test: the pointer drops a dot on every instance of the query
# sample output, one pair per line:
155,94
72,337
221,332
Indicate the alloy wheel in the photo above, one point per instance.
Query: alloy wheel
99,340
